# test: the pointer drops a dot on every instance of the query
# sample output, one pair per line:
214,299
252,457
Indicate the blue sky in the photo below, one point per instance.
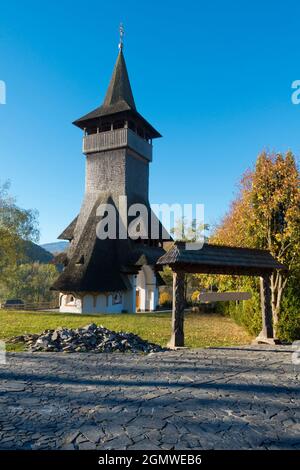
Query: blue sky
213,77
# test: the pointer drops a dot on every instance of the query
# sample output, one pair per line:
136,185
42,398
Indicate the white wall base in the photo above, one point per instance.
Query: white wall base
113,302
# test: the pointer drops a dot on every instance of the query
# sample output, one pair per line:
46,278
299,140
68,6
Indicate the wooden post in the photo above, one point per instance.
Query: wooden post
266,306
177,337
266,334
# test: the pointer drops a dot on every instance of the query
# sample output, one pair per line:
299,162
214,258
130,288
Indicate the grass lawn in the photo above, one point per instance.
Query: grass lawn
201,330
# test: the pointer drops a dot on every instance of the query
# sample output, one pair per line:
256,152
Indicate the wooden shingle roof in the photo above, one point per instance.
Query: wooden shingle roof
68,233
118,100
220,259
97,265
119,88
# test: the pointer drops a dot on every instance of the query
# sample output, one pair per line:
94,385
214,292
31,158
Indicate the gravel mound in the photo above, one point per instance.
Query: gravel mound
91,338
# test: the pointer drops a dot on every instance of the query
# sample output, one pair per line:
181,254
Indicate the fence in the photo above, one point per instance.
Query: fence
31,306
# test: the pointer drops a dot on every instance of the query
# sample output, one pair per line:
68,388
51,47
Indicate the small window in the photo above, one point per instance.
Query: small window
116,298
70,300
106,126
80,260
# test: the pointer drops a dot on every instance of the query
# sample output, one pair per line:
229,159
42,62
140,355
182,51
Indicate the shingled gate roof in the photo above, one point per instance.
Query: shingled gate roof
220,259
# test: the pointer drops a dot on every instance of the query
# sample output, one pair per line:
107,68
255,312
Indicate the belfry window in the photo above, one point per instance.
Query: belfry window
119,124
106,126
91,130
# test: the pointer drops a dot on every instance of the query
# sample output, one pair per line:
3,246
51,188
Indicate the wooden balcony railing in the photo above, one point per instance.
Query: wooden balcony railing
117,138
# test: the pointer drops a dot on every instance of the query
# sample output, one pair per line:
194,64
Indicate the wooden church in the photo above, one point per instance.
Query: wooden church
112,275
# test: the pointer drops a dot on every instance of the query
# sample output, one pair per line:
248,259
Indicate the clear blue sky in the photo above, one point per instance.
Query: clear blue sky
213,77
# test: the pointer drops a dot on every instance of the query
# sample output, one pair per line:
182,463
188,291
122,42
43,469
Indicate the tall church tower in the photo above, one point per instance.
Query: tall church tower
112,275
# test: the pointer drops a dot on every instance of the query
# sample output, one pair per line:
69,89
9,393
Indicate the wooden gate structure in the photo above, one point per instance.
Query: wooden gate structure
219,259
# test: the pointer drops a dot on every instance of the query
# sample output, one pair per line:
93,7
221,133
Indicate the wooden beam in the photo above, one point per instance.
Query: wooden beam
177,337
223,296
219,269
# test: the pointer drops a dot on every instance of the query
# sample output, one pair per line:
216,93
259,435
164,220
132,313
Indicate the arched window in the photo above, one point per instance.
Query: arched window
70,300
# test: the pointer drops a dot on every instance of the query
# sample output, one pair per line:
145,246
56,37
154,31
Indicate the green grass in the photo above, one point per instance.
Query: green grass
201,330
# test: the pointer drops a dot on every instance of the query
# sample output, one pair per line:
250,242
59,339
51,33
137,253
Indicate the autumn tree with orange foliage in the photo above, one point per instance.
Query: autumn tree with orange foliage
266,214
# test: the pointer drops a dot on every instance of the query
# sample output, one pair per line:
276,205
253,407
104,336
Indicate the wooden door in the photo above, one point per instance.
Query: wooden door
137,300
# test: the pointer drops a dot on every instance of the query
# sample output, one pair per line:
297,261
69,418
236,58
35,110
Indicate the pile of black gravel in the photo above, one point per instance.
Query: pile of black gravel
91,338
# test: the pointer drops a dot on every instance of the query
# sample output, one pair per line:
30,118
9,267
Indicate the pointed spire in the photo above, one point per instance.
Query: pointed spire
119,88
118,98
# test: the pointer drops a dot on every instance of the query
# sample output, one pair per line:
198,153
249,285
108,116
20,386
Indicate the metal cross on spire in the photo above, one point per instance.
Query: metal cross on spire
121,30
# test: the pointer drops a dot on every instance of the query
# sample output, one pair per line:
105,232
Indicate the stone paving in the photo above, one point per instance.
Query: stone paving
221,398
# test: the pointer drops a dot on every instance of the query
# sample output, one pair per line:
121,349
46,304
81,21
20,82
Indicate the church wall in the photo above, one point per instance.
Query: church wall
117,171
88,304
129,301
137,176
104,303
69,307
100,304
156,297
105,171
92,304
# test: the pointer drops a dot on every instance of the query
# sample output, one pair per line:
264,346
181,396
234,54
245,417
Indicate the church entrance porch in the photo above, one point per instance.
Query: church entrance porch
146,290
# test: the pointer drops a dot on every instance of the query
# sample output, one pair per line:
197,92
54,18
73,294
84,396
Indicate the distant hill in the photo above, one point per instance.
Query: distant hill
37,253
55,247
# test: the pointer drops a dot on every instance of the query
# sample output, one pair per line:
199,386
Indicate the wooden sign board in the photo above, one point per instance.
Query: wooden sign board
223,296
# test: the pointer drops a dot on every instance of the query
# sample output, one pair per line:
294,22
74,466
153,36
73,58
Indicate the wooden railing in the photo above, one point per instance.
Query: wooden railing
116,139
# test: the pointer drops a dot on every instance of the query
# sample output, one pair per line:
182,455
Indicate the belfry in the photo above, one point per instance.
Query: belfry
106,275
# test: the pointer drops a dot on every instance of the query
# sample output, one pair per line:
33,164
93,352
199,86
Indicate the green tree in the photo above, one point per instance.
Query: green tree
266,214
16,226
32,282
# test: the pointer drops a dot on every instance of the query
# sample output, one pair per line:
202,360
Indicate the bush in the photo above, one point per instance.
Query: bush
289,325
165,299
248,314
289,322
195,297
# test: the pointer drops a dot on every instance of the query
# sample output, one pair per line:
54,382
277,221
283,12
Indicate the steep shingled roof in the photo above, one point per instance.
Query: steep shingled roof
68,233
102,265
119,88
118,99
